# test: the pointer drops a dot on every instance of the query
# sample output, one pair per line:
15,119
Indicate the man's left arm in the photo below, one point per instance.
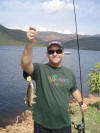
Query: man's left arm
78,97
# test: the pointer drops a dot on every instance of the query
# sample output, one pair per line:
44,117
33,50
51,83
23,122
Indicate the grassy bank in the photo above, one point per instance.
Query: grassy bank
92,119
24,123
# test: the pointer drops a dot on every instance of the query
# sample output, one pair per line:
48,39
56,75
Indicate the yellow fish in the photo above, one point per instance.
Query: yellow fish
29,98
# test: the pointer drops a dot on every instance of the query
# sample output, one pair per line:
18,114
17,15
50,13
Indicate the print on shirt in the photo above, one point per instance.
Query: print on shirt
56,81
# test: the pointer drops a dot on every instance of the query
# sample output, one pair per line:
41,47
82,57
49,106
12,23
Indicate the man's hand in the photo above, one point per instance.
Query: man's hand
77,95
26,60
31,34
83,107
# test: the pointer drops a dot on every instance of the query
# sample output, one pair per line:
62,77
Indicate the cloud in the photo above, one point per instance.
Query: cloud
41,28
17,12
57,5
24,28
18,5
48,15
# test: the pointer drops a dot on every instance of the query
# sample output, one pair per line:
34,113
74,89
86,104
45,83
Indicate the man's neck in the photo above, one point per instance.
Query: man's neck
55,65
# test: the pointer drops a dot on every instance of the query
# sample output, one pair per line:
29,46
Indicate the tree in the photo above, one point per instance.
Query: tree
94,79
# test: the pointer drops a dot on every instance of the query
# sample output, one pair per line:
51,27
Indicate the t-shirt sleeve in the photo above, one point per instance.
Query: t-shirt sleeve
74,84
34,73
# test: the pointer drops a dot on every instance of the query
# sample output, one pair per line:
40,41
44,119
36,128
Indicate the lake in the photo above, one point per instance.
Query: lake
13,86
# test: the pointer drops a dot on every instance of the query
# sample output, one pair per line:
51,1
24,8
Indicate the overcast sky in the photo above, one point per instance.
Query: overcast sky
51,15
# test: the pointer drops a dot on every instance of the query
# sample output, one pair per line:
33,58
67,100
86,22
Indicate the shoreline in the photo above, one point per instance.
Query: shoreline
42,46
24,122
10,118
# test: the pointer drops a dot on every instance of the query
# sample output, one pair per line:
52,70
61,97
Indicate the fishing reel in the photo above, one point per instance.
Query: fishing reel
79,127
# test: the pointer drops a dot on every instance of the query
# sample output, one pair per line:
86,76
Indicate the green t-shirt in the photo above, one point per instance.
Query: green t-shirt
53,89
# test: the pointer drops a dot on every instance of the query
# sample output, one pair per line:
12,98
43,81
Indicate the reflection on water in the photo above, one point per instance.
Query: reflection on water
13,86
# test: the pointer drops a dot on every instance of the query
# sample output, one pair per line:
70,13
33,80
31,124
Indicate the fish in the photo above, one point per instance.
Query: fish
30,95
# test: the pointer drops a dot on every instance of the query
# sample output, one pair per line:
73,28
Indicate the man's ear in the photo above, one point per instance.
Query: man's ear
47,54
63,54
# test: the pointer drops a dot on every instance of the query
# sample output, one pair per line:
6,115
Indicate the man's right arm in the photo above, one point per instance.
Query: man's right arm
26,59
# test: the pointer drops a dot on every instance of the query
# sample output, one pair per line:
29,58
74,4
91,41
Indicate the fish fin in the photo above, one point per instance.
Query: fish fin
25,99
33,102
34,96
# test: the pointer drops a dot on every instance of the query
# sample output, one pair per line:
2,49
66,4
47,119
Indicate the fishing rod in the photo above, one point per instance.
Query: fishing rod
79,127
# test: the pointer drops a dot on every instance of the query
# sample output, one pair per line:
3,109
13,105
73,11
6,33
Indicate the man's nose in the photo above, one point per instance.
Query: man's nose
55,53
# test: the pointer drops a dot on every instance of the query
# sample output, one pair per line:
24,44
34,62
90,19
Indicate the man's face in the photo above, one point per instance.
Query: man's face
55,55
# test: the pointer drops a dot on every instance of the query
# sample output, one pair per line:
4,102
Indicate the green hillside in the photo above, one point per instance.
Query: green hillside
18,37
88,43
9,34
15,37
7,40
49,35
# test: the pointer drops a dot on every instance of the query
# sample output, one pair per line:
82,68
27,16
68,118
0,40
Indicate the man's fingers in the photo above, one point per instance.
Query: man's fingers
84,108
32,28
31,34
32,31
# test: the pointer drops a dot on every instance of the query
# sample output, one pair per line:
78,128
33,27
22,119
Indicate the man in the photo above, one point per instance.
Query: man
54,84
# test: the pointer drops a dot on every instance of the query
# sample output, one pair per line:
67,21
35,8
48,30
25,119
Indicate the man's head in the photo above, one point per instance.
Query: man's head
58,43
55,53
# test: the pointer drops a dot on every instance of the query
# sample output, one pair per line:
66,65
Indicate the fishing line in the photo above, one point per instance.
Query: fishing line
80,71
77,39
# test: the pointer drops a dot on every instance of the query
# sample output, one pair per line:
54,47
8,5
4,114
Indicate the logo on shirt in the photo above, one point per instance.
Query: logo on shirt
56,81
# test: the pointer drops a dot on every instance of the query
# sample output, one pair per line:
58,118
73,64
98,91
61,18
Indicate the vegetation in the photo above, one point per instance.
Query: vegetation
92,120
7,40
24,123
96,105
94,79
